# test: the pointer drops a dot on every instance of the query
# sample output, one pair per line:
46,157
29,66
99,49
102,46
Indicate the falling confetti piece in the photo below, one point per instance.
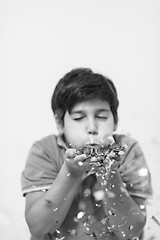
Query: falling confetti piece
155,220
111,194
80,215
80,163
73,232
121,153
99,195
124,190
143,172
75,219
87,192
130,227
98,205
142,206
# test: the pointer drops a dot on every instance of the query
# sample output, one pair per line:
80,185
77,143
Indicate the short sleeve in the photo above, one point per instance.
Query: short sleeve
40,170
134,169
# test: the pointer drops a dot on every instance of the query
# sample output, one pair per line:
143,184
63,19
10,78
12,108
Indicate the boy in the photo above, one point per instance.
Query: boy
68,198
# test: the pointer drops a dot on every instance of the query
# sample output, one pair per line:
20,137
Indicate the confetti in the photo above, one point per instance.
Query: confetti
73,232
130,227
87,192
143,172
103,159
142,206
111,194
99,195
103,155
155,220
80,215
80,163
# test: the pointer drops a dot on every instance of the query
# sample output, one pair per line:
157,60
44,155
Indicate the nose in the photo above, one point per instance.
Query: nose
93,132
92,127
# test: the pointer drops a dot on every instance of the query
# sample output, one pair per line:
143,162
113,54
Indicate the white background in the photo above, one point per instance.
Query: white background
39,42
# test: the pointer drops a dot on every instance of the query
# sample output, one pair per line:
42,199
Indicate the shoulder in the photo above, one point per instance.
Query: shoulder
47,144
48,148
132,145
44,152
133,148
43,163
47,141
134,169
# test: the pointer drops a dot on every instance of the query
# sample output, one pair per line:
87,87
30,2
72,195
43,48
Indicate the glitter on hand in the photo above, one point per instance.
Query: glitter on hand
103,156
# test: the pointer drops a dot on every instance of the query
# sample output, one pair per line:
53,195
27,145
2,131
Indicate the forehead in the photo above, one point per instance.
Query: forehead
95,104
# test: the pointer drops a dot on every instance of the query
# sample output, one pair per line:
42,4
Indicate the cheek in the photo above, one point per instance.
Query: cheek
74,135
71,131
108,127
71,127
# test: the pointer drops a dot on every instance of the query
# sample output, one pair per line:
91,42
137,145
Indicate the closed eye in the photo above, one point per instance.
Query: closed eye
82,117
78,118
102,117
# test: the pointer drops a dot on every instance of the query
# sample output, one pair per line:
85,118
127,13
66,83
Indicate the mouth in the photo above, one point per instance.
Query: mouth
100,142
95,144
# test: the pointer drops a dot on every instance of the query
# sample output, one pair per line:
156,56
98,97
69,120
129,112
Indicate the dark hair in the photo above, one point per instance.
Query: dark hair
82,84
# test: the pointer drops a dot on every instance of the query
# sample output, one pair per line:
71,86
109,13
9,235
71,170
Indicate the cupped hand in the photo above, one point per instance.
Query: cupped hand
77,164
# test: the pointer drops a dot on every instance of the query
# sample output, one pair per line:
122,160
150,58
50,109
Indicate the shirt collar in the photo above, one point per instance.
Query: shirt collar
61,143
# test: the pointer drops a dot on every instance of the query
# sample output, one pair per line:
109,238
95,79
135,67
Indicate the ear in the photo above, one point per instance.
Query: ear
59,124
59,120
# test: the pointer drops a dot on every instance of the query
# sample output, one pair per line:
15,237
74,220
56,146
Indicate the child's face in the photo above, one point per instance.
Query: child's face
89,122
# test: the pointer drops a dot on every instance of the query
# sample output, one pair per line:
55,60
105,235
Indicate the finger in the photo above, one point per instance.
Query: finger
70,153
80,158
107,140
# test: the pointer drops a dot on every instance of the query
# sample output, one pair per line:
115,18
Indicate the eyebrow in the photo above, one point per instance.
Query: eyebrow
82,111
